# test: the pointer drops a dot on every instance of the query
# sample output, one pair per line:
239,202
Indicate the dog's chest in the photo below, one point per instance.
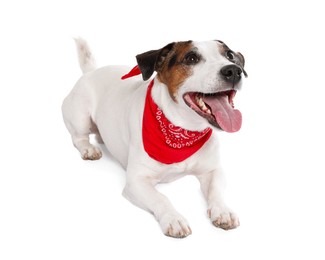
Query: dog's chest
172,173
203,161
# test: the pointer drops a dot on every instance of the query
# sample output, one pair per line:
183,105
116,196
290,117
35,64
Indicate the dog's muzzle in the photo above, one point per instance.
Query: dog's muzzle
218,108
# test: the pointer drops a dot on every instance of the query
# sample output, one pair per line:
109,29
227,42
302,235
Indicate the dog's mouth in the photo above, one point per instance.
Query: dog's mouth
217,108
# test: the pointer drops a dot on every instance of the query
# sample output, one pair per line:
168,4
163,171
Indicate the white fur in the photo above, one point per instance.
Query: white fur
102,101
86,60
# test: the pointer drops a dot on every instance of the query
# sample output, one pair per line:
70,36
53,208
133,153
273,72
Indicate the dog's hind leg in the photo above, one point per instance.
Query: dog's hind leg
77,106
78,122
98,137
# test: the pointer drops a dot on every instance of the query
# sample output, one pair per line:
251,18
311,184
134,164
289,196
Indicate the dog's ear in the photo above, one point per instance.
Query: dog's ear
151,61
242,61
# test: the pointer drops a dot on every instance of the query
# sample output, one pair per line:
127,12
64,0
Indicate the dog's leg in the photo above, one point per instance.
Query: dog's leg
212,186
86,149
99,138
80,125
141,192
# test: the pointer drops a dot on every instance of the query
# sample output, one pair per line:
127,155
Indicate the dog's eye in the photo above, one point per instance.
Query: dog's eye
230,55
191,58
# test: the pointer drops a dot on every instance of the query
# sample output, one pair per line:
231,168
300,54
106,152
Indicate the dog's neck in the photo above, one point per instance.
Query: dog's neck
176,113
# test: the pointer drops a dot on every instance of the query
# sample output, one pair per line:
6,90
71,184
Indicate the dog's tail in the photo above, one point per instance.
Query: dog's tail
86,59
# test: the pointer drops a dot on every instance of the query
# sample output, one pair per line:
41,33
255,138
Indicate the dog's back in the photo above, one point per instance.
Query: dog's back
93,106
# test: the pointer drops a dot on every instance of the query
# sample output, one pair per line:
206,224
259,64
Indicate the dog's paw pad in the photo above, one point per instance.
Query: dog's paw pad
175,226
91,153
223,218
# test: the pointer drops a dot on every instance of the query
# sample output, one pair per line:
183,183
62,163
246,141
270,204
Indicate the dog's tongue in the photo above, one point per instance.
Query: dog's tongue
228,118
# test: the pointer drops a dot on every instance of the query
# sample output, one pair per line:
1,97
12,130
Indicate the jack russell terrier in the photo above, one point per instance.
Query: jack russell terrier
161,128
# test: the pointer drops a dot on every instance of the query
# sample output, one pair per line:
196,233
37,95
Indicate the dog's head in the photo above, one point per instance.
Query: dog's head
203,76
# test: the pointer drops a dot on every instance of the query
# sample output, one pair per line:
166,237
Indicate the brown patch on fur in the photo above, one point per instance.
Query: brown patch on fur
222,47
173,71
242,59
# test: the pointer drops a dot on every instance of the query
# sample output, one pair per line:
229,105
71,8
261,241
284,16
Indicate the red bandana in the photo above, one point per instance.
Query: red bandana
163,141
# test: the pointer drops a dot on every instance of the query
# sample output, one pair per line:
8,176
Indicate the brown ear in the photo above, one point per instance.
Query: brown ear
151,61
242,60
241,57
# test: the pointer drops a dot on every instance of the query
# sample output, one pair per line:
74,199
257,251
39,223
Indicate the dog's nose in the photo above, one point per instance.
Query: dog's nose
231,73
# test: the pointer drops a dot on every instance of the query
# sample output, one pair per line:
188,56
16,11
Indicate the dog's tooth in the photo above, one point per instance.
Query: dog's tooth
199,100
204,107
201,104
206,110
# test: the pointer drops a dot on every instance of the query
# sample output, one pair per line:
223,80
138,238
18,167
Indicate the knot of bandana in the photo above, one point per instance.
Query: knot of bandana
134,72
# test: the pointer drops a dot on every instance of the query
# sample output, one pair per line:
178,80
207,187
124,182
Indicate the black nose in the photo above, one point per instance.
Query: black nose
231,73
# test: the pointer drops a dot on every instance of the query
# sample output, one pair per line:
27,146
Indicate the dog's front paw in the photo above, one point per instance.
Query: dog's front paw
174,225
223,217
91,153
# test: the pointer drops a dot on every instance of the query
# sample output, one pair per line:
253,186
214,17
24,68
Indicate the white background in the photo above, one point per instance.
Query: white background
53,205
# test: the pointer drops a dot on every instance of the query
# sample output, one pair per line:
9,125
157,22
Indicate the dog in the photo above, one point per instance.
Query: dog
160,121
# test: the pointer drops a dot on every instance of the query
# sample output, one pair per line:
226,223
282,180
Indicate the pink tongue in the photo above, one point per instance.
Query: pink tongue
228,118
